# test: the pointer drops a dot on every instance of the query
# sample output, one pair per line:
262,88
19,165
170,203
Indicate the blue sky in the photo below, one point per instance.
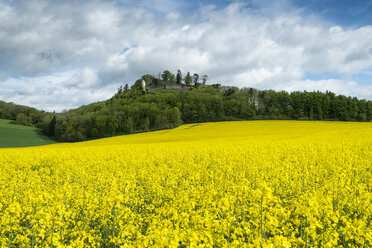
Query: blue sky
348,13
57,55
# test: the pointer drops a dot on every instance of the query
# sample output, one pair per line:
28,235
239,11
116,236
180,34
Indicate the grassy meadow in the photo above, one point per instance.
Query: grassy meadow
20,136
223,184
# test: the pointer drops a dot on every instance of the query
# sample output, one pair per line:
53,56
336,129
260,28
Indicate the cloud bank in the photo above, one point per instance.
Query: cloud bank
57,55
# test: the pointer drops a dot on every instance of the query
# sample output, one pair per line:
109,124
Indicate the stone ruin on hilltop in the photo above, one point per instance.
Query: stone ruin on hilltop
173,86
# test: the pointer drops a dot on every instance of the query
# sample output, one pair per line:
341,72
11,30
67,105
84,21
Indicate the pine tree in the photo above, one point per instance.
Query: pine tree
52,126
179,77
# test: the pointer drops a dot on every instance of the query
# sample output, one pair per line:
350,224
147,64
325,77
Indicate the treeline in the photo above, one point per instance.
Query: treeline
22,115
132,110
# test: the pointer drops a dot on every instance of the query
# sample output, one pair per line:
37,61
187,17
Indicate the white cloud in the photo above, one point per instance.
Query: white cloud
54,91
86,49
338,86
85,79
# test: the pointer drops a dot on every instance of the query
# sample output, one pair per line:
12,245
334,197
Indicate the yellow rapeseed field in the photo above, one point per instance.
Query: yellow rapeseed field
225,184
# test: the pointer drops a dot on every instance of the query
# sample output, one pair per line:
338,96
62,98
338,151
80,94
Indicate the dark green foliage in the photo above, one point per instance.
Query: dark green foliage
179,77
195,78
168,76
148,78
125,113
52,126
188,79
133,110
22,115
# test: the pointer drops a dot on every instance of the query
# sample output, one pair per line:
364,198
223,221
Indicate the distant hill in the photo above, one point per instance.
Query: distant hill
21,136
136,110
152,103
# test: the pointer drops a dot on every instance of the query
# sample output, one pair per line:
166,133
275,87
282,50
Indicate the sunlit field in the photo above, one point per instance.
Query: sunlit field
226,184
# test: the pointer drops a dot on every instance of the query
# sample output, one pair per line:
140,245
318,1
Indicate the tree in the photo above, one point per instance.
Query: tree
146,124
155,81
126,88
195,78
179,77
137,85
188,79
204,79
22,119
229,91
52,126
148,78
167,76
120,90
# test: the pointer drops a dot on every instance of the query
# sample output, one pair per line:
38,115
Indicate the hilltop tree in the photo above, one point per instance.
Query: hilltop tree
148,78
168,76
126,88
137,84
204,79
195,78
179,77
155,81
120,90
188,79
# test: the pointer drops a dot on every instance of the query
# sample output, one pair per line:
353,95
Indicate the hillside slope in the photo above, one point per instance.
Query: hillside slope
135,111
20,136
231,132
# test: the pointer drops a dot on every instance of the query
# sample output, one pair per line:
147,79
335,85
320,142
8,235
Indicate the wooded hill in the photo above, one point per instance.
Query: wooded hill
134,110
21,114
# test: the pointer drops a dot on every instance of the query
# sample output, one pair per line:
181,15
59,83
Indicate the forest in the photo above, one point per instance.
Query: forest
133,110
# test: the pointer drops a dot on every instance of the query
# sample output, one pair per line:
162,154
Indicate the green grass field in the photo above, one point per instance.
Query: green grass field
20,136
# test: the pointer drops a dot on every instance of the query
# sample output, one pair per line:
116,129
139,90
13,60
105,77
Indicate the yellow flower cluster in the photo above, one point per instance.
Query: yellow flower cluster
226,184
